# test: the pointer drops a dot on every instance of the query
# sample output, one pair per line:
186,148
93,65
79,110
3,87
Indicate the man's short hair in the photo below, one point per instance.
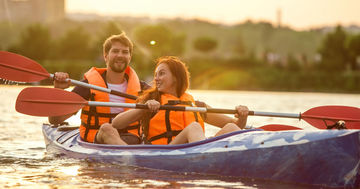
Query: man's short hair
121,38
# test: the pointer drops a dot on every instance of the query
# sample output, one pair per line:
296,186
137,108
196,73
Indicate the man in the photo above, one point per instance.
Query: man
119,76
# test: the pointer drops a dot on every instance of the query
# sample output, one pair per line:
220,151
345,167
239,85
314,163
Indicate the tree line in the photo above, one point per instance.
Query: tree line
231,62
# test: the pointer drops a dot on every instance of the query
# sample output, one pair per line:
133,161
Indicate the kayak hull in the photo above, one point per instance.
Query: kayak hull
321,158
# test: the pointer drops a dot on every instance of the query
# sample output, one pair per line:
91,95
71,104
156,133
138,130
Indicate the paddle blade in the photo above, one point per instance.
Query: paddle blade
39,101
277,127
324,116
15,67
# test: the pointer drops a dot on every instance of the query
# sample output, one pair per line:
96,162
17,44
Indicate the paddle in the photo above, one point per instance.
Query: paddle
15,67
278,127
53,102
39,101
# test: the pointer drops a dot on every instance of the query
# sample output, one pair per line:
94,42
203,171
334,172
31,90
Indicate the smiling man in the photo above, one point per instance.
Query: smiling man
119,76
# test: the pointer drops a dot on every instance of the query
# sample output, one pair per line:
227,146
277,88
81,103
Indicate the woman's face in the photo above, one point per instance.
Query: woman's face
165,81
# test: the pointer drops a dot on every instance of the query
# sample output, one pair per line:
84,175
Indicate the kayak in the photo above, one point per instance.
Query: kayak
328,158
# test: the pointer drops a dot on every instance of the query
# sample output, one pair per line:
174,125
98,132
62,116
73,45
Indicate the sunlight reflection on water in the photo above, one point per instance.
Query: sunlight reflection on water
24,163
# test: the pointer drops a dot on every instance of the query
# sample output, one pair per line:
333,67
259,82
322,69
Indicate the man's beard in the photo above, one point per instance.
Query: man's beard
116,68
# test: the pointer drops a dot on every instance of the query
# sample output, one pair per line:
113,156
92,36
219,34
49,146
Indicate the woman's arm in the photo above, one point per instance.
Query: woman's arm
125,118
220,120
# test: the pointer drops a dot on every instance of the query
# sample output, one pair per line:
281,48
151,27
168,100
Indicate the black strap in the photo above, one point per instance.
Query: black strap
108,115
177,102
131,127
89,126
96,127
92,110
168,126
164,135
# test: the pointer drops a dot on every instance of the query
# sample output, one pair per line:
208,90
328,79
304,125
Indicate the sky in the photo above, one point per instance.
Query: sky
297,14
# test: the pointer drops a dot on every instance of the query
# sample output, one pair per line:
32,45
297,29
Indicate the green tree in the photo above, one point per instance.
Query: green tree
205,44
238,46
160,40
292,63
178,44
110,29
334,51
267,32
74,45
354,51
35,42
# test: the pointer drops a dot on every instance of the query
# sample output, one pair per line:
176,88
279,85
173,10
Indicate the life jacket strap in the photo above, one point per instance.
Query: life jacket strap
130,127
92,111
168,134
107,115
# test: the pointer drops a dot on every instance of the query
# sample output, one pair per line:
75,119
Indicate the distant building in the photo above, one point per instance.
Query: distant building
32,10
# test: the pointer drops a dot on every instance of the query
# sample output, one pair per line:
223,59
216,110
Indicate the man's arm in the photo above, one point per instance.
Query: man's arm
59,119
59,82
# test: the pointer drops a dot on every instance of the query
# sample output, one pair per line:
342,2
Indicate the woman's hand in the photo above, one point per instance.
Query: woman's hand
153,105
241,115
60,80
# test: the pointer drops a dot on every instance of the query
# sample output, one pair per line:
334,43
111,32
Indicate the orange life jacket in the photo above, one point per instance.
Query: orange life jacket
166,124
93,117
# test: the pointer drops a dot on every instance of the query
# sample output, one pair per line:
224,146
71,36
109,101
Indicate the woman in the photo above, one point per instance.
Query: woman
171,81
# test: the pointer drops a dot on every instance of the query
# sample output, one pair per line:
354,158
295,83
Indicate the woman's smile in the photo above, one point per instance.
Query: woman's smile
164,80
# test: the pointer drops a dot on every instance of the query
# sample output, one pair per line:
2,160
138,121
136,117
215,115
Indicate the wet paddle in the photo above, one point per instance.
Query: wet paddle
18,68
39,101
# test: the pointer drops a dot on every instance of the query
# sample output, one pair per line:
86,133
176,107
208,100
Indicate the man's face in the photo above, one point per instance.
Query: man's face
118,57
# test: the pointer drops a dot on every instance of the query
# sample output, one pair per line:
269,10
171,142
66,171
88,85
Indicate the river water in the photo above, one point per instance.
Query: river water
24,162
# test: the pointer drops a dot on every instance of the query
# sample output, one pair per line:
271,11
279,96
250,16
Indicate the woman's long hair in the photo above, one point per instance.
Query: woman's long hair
179,70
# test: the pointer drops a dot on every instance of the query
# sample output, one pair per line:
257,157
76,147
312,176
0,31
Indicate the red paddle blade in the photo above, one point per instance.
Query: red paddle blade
39,101
15,67
324,116
277,127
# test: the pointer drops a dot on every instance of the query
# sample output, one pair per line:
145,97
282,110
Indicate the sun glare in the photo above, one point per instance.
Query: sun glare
71,171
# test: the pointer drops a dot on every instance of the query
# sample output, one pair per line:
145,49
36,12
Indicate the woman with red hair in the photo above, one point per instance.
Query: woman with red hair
171,81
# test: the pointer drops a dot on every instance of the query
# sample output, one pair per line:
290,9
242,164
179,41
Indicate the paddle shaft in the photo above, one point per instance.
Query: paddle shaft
40,101
90,86
143,106
82,103
192,109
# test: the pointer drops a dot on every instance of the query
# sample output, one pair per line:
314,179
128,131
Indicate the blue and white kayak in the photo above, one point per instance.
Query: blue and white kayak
328,158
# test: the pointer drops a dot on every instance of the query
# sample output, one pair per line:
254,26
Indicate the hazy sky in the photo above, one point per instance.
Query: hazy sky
298,14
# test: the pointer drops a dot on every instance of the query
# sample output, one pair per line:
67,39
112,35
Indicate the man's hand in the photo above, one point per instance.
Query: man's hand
60,80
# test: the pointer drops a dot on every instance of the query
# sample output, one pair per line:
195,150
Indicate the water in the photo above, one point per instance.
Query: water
25,164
